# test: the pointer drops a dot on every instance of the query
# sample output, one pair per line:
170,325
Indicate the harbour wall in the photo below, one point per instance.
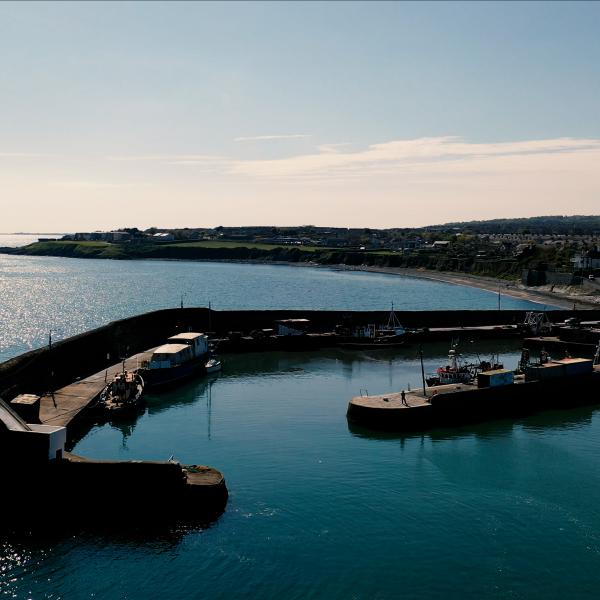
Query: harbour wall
533,278
49,368
472,404
97,492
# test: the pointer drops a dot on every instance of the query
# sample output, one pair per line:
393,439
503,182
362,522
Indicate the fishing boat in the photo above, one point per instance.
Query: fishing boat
213,365
390,335
123,395
498,393
184,356
457,371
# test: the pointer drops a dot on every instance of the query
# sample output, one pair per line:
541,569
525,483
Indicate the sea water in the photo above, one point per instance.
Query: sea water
318,508
322,509
65,296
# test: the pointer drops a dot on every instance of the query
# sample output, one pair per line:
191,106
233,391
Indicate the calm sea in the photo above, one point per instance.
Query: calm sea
317,509
68,296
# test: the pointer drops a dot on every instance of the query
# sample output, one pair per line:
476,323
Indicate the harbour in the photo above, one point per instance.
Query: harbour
260,410
264,412
299,300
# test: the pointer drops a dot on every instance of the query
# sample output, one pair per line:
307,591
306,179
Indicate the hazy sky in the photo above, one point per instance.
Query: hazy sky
350,114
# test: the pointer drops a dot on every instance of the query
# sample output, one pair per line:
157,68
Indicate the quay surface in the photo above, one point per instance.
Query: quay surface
67,403
457,404
190,492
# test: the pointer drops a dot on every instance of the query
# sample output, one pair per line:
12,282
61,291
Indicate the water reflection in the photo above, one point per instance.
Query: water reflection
547,420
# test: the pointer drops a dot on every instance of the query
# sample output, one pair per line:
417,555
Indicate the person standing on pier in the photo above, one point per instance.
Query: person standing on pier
403,397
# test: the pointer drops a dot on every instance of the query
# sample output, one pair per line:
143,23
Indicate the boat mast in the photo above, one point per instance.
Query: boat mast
422,371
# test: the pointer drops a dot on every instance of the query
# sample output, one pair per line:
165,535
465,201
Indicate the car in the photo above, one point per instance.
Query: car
591,277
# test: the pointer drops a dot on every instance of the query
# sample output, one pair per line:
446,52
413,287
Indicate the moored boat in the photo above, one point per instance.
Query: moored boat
182,357
496,393
457,371
390,335
213,365
123,395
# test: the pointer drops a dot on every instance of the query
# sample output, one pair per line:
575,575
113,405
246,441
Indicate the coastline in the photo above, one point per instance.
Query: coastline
490,284
549,296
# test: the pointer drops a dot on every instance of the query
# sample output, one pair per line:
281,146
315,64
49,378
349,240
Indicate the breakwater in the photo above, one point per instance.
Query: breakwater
80,491
58,365
459,404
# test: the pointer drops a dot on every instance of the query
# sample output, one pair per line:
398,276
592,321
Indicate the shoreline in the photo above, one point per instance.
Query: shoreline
490,284
513,289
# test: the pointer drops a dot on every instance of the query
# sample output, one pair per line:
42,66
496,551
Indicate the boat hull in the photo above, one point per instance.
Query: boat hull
160,378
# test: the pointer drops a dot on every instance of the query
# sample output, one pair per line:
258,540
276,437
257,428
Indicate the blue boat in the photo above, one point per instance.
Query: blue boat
183,357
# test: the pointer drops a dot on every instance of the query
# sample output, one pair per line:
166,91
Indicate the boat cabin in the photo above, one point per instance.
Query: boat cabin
198,342
170,355
292,326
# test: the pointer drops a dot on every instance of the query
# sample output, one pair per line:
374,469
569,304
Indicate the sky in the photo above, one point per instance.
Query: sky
325,113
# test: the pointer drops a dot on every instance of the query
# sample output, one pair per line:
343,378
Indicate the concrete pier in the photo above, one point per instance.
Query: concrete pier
457,404
88,491
66,404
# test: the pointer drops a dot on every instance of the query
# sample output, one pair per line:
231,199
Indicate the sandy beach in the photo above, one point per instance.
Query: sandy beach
560,297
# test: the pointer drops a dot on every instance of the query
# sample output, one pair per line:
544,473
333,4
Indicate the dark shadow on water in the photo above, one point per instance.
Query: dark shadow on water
265,363
153,536
125,424
547,420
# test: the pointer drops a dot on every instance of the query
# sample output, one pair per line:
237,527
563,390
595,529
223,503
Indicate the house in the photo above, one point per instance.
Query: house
163,237
118,236
441,245
587,260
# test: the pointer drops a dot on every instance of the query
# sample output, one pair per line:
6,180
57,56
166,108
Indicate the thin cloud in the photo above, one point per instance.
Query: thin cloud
259,138
24,155
170,158
96,185
423,155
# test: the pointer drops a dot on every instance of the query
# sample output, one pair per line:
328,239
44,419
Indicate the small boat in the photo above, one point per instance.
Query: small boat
213,365
123,394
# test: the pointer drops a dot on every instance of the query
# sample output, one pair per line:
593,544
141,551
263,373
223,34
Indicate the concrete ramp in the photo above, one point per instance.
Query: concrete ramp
10,419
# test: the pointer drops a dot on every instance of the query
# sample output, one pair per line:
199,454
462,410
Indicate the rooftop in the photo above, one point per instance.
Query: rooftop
170,349
188,335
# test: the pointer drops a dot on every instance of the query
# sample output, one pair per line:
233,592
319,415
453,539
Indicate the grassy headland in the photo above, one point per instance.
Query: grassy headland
437,260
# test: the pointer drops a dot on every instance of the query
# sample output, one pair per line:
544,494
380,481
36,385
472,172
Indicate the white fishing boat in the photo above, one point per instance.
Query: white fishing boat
213,365
457,371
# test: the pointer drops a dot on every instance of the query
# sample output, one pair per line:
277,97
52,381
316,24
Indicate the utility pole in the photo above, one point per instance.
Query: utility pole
422,371
51,368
